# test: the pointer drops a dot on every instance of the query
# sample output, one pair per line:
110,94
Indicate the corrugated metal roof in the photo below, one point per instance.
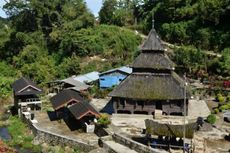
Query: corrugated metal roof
78,86
87,78
124,69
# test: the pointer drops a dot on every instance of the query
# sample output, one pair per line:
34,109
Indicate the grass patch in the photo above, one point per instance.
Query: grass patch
21,135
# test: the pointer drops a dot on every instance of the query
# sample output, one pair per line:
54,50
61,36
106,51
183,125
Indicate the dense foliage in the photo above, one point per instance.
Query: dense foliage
201,23
49,39
196,25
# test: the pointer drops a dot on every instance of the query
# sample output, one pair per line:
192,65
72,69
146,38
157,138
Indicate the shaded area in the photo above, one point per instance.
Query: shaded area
108,108
53,116
23,150
4,133
72,123
160,142
67,117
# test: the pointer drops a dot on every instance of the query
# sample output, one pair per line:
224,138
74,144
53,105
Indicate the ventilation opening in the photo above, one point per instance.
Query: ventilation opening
141,112
176,113
123,112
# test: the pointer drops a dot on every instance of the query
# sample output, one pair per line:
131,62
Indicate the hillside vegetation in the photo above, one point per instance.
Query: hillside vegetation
48,39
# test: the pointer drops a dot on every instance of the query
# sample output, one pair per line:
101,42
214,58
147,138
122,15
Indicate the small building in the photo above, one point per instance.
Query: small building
68,83
26,95
89,78
153,84
113,77
69,103
171,134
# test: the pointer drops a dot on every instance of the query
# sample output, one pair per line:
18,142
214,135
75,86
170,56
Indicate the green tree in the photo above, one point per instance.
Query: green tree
189,57
107,11
225,62
69,67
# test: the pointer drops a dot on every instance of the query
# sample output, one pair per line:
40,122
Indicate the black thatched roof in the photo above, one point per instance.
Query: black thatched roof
153,60
25,86
161,129
64,97
150,86
82,109
153,42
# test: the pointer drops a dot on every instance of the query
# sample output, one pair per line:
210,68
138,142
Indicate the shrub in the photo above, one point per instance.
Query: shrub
216,111
103,120
211,119
228,98
225,107
220,98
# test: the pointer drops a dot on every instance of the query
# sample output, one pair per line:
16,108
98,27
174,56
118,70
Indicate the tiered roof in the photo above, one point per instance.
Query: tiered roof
150,86
147,82
153,61
153,42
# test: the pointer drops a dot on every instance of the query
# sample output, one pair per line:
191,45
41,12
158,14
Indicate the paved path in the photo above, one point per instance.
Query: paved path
118,147
126,120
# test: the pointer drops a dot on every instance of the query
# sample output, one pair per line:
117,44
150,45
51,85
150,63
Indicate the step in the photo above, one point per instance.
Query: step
116,147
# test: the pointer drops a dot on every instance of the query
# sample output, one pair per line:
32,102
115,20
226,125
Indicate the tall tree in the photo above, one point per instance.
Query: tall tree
107,11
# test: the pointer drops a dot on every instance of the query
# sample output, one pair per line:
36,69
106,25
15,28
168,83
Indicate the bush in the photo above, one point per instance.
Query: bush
220,98
211,119
216,111
103,120
228,98
225,107
100,93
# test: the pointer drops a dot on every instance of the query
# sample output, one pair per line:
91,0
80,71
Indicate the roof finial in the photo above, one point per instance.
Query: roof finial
153,21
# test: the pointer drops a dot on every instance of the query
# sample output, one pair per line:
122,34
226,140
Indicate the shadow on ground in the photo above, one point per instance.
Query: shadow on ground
52,116
65,114
72,123
108,108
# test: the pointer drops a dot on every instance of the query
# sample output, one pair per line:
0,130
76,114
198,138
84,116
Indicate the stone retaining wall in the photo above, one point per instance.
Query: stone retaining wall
140,148
54,139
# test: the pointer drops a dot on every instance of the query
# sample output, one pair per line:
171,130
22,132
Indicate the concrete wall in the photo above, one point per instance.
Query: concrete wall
42,136
140,148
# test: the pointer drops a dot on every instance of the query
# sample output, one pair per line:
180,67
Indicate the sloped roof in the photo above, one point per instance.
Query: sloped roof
87,78
78,86
153,61
64,97
123,69
153,42
161,129
82,109
150,86
21,84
